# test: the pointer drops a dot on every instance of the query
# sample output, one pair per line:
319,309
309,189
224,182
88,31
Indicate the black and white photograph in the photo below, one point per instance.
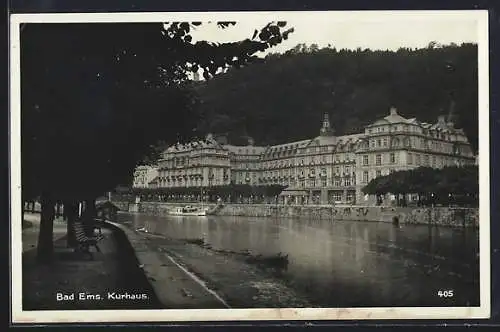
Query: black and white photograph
222,166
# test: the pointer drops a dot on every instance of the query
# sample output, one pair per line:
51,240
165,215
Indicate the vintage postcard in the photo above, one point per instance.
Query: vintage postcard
225,166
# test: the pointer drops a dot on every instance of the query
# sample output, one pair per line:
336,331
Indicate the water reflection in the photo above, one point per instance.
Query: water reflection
346,263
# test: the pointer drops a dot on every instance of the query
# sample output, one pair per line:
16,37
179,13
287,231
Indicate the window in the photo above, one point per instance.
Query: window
312,182
385,142
302,182
393,158
350,196
379,144
337,196
347,169
337,181
323,182
365,177
365,160
433,161
410,158
427,161
378,160
347,181
417,160
378,173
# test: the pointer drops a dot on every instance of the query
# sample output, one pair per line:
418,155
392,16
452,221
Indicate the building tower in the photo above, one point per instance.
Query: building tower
326,129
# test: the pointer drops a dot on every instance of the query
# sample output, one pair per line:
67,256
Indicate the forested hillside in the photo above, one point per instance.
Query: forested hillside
284,97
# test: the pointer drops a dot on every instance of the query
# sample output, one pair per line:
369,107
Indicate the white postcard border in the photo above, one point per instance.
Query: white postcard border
186,315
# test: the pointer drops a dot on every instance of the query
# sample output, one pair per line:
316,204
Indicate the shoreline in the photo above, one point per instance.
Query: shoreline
457,217
199,281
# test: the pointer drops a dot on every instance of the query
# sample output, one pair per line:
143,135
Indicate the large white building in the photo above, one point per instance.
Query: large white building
322,170
144,176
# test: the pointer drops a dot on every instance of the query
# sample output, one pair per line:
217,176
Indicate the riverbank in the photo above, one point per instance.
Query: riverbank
439,216
187,275
73,282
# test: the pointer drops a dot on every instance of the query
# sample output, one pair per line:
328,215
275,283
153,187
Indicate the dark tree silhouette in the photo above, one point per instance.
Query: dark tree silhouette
449,185
96,98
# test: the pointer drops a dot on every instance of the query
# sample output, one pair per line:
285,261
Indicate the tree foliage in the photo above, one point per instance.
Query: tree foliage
428,182
231,191
96,98
286,96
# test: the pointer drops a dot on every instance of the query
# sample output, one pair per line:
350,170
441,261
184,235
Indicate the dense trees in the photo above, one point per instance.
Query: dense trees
450,185
286,96
97,97
232,192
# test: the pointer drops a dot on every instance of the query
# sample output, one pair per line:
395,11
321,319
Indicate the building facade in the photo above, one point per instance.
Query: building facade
144,176
327,169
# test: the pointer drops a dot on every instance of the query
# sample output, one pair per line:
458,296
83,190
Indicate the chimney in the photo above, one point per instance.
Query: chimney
441,119
393,111
251,141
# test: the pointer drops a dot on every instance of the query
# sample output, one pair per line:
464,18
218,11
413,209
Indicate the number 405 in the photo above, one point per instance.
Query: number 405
445,293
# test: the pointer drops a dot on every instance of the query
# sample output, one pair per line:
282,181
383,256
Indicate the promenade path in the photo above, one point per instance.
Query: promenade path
112,280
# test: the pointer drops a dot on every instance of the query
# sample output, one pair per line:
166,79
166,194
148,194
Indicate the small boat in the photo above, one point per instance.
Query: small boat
188,211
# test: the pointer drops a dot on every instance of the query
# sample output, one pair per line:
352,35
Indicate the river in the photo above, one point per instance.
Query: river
345,263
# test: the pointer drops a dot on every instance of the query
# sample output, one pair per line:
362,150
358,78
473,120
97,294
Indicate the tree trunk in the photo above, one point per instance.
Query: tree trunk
90,214
45,247
58,209
71,213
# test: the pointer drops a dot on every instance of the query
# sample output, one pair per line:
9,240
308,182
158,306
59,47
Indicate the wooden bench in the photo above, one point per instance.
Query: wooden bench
84,241
98,223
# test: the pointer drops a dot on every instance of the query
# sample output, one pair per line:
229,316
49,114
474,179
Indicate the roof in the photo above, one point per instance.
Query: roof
194,145
292,146
245,150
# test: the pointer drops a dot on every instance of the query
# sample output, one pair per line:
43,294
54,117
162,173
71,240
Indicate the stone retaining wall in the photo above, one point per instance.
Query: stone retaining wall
445,216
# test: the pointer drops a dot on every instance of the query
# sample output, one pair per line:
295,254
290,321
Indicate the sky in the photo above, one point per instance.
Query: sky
373,32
